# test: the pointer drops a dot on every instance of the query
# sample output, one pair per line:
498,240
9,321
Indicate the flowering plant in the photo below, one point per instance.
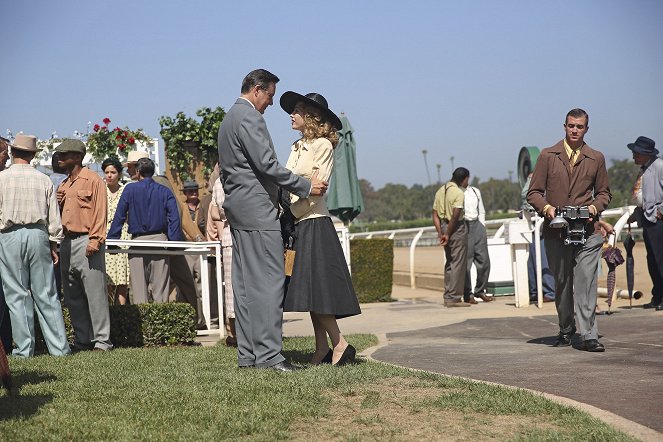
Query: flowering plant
104,142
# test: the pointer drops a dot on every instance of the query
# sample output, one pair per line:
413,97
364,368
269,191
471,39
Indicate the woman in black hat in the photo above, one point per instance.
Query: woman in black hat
320,281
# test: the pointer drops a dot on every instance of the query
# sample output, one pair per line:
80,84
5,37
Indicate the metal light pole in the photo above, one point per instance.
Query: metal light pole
424,152
439,179
452,164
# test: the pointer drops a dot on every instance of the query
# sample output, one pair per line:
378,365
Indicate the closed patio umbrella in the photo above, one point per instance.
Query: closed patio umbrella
344,198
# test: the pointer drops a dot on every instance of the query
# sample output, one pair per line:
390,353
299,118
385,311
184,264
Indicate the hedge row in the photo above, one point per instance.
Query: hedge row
372,262
142,325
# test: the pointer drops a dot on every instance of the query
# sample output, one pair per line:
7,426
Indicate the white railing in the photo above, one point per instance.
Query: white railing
418,233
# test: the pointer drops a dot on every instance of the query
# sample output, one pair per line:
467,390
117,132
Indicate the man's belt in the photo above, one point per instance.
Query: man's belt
73,235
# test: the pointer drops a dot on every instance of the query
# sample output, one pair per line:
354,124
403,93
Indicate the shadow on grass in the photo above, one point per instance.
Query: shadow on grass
17,406
304,357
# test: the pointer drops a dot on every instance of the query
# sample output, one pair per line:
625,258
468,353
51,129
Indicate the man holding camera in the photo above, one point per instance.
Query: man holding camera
571,173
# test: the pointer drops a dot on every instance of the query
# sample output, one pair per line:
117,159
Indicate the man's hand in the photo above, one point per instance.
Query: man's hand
54,253
89,250
550,213
444,239
318,187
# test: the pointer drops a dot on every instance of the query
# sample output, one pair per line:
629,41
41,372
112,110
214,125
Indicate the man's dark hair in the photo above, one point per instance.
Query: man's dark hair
459,175
4,143
145,167
112,162
23,154
259,77
577,113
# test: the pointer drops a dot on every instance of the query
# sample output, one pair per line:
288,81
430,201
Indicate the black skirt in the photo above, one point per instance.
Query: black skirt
320,281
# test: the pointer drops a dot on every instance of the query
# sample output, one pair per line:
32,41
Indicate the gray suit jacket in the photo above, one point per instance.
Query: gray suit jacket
250,173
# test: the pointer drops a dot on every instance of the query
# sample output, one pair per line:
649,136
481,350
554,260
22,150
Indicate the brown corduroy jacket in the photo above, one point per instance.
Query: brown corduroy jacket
555,184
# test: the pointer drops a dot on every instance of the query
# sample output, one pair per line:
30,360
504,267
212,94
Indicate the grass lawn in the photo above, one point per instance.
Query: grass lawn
196,393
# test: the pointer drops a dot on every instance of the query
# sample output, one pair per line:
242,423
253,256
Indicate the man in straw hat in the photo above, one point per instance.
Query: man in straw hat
82,198
648,194
5,322
251,178
30,226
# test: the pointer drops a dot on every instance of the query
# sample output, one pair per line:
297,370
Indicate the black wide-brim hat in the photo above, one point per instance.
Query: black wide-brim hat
290,99
644,146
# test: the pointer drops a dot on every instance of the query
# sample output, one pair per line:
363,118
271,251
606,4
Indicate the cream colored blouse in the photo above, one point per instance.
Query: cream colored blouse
305,158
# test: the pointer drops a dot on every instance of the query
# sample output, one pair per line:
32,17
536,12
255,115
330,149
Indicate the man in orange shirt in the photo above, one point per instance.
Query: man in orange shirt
82,199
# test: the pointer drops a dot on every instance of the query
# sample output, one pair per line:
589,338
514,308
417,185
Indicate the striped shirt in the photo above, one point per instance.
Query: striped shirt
27,197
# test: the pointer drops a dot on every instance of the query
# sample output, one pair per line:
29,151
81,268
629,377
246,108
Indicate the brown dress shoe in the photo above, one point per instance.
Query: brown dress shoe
485,298
458,303
471,300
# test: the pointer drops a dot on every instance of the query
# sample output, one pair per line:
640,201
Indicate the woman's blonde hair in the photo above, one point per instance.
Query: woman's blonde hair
316,126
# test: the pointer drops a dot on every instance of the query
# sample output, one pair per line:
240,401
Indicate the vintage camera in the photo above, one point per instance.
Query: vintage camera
574,220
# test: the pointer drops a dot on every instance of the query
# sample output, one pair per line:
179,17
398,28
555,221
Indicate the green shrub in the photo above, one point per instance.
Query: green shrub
372,262
142,325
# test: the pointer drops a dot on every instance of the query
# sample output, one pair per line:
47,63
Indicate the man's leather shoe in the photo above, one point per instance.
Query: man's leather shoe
283,366
659,307
650,305
458,303
592,345
471,300
564,339
546,299
484,297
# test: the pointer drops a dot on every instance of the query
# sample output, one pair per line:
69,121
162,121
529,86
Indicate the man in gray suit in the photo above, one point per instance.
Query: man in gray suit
251,178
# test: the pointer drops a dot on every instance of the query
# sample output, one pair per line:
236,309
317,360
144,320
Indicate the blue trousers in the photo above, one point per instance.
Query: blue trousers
548,280
28,282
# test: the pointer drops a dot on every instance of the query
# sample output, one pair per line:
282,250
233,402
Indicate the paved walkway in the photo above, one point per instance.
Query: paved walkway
499,343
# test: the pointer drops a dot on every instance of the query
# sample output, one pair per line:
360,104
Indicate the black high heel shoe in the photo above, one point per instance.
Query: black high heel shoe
348,356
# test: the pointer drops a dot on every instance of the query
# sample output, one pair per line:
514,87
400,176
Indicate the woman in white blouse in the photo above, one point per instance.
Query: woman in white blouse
320,281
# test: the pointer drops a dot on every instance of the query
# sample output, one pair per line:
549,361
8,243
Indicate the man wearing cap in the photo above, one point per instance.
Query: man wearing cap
152,215
251,177
30,226
648,193
83,204
571,173
5,321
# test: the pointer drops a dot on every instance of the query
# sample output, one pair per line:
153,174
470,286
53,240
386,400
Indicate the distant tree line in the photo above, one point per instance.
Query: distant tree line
397,202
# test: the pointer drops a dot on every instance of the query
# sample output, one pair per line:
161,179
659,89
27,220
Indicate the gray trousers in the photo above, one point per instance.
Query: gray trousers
574,269
477,254
193,262
258,278
148,274
455,266
84,285
28,282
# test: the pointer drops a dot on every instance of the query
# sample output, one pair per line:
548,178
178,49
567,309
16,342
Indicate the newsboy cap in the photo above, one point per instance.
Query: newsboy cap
71,145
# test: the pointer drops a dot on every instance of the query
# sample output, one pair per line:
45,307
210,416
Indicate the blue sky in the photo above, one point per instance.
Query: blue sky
475,80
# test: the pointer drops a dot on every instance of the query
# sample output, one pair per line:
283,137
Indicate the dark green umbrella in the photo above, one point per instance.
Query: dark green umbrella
344,195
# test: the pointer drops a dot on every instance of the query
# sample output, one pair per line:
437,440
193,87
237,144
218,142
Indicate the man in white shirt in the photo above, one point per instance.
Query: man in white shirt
477,246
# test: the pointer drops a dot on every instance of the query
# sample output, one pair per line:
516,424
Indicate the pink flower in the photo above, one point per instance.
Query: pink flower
96,128
122,147
132,140
106,121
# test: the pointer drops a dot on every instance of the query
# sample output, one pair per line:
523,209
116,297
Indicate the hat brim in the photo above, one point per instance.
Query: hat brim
638,149
290,99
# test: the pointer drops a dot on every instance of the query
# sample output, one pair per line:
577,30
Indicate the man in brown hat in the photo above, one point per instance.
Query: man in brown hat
29,222
82,199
